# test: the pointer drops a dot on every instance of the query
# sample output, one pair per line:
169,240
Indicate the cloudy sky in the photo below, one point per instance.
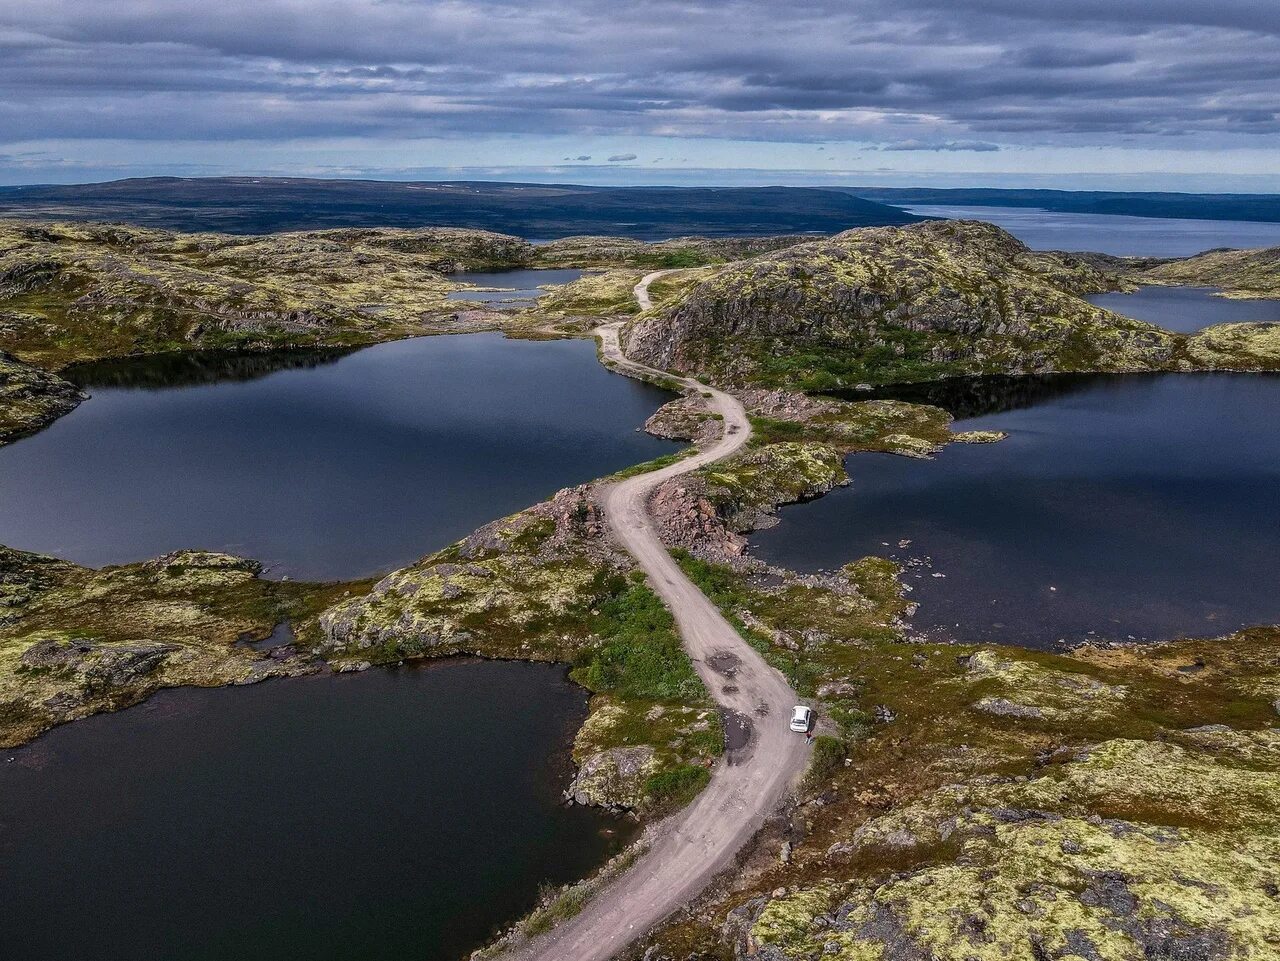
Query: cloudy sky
1179,94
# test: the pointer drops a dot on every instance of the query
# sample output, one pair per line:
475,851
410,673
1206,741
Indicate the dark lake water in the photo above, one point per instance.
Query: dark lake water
519,288
332,467
1186,309
1144,505
395,814
1113,234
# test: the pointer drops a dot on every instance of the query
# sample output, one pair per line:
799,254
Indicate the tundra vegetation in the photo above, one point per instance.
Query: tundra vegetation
964,802
943,298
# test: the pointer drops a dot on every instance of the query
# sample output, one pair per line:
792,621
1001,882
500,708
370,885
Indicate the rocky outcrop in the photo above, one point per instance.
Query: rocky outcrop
72,292
614,778
75,641
538,567
685,418
1249,347
1241,273
676,252
706,512
31,398
1028,869
896,303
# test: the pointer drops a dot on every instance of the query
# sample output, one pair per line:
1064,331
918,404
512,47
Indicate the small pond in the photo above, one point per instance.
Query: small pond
395,814
1186,309
515,288
328,467
1120,506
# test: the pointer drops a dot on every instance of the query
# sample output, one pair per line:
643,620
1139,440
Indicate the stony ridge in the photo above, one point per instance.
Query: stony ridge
887,304
911,303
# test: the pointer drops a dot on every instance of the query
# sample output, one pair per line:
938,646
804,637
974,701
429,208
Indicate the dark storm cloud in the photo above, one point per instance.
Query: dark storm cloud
945,75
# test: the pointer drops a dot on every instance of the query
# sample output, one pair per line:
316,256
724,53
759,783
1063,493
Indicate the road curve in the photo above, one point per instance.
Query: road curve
748,783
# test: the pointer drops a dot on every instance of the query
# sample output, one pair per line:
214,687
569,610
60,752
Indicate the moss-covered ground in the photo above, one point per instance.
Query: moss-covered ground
75,641
1116,802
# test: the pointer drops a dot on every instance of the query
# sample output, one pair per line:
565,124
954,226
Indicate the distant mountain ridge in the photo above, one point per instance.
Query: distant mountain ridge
1263,208
538,211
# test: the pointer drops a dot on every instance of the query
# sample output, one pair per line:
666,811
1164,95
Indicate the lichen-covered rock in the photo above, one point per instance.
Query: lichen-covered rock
1252,347
613,778
75,641
1243,273
77,291
685,418
31,398
1024,689
979,436
591,251
1183,862
517,586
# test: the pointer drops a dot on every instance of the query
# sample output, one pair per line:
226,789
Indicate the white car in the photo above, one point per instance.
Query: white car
801,719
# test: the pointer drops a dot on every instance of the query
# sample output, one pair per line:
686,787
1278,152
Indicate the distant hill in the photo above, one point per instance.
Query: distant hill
538,211
1256,207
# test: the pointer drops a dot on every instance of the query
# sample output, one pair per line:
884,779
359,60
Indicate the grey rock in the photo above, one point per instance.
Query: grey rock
1006,708
126,664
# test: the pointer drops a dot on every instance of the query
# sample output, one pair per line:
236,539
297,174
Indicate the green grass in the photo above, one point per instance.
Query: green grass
639,653
657,463
672,789
827,759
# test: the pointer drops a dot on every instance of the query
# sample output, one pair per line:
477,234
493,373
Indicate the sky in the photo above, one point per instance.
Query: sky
1098,94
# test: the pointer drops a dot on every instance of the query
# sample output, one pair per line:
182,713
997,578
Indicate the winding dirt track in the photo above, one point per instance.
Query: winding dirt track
748,783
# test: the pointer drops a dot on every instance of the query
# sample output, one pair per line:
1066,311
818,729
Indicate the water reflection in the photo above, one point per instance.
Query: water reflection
158,371
979,395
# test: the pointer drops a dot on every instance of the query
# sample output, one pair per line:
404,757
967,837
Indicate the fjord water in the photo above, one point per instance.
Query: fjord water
350,466
1123,236
1143,505
396,814
1186,309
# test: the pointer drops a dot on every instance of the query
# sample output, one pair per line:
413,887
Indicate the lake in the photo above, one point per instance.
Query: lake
1112,234
516,288
394,814
1120,505
332,466
1186,309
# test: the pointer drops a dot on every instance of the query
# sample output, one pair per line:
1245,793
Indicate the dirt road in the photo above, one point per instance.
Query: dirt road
748,783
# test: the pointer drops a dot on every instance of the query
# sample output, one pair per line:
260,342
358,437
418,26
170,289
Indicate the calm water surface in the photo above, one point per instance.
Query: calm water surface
1186,309
518,288
338,468
395,814
1110,233
1122,505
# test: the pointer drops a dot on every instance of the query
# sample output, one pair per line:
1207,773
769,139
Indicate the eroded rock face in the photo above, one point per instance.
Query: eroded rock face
707,511
688,519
